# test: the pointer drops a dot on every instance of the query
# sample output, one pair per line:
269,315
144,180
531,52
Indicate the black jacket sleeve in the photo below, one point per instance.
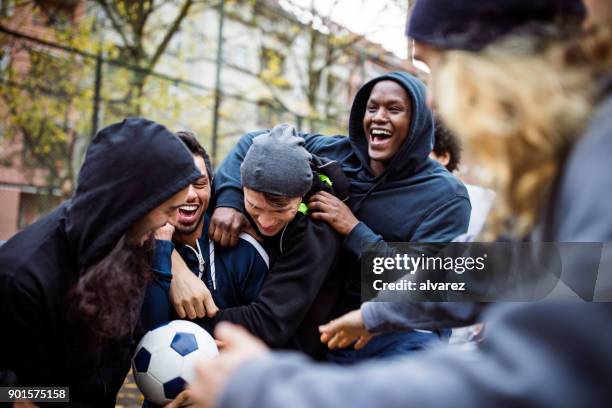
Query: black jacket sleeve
292,284
23,314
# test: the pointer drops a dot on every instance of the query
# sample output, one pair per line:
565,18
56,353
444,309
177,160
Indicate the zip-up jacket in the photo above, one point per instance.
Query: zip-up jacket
234,275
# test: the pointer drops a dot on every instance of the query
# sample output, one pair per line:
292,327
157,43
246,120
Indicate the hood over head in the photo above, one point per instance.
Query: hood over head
130,168
419,143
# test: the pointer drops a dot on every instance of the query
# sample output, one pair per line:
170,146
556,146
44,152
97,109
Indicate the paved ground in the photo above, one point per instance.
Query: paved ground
129,396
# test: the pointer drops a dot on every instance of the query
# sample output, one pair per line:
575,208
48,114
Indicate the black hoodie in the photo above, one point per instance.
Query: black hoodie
414,199
301,288
131,168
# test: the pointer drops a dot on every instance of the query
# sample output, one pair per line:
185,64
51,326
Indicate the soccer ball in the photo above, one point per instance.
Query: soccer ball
166,357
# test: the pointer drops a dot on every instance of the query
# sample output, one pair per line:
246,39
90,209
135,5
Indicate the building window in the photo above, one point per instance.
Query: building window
58,16
7,7
5,58
239,56
32,206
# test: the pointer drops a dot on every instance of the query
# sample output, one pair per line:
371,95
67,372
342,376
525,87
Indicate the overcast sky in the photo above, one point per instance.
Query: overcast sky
381,21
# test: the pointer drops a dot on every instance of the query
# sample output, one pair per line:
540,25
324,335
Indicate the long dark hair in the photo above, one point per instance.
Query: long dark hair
105,302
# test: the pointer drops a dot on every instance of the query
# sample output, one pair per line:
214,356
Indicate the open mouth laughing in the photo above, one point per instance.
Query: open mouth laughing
188,214
379,136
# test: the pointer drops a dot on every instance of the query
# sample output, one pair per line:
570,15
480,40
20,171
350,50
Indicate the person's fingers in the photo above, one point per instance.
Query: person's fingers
219,232
216,235
232,334
229,238
325,337
211,307
333,343
329,327
321,201
225,239
220,344
234,237
315,197
172,404
251,231
199,307
323,216
345,342
178,401
180,310
189,310
188,397
320,206
361,342
327,195
211,229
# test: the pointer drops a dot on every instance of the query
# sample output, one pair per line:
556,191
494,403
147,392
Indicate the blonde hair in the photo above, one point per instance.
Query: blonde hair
519,112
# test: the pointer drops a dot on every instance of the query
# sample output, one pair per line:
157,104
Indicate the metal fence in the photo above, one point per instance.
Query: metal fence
100,84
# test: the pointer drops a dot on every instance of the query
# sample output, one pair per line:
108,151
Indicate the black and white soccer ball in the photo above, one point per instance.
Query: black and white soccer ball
166,357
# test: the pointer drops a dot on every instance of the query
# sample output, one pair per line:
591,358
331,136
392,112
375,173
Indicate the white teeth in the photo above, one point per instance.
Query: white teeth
381,132
189,207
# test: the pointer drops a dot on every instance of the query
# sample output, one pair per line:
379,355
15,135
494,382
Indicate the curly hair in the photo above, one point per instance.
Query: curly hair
521,106
446,141
105,302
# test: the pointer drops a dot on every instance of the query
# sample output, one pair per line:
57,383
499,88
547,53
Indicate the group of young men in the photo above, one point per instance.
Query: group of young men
271,241
309,201
304,272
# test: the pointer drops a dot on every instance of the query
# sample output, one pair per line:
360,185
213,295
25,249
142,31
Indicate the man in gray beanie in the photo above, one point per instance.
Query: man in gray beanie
278,176
277,166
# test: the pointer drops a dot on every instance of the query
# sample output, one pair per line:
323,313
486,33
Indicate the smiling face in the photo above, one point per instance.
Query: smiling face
156,218
270,217
188,226
386,122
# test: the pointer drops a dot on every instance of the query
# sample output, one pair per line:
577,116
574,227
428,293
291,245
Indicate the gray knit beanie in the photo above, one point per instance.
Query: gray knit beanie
278,163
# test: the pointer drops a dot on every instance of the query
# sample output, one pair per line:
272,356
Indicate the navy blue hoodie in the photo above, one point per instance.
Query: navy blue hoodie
414,200
131,168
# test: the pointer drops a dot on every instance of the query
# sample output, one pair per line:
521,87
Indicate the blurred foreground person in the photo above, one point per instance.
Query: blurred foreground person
72,283
541,112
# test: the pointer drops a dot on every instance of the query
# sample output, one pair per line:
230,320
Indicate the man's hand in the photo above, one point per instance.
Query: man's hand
165,233
329,208
345,330
240,347
226,224
185,399
188,294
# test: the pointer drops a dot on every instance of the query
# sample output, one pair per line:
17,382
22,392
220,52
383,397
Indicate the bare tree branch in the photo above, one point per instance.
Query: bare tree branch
116,26
161,48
